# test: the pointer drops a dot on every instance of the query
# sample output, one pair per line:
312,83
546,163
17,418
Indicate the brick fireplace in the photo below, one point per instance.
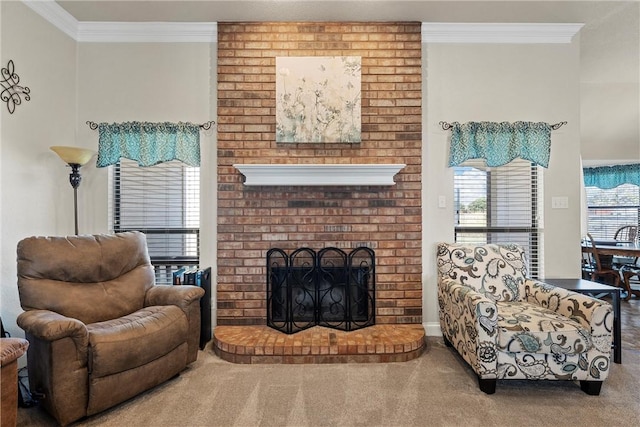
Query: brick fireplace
254,219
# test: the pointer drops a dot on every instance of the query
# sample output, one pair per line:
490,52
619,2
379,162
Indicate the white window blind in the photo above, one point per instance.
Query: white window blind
501,205
610,209
162,201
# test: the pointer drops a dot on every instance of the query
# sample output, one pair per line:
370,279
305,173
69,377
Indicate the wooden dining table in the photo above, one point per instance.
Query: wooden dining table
614,248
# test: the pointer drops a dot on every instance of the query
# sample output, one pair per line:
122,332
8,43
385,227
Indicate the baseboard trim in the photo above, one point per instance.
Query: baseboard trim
432,329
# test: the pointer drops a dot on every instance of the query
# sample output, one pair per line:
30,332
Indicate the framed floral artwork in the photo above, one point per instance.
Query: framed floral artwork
318,99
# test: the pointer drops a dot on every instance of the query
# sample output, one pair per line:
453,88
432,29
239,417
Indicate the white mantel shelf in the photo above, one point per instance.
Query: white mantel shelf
319,174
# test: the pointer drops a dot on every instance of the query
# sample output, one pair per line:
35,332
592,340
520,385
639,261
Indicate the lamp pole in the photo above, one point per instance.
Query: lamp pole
74,179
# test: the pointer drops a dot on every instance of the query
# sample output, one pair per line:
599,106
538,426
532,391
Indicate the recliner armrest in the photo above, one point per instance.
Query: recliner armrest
51,326
182,296
187,297
11,349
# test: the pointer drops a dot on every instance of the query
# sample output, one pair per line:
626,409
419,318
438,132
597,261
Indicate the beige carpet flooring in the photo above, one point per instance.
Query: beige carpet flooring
436,389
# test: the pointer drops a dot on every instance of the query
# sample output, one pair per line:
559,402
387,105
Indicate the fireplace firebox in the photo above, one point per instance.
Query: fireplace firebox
329,288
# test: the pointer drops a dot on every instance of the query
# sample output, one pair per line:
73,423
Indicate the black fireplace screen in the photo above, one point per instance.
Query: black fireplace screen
329,288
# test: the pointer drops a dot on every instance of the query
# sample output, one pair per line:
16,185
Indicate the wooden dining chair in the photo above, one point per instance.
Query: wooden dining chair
626,234
630,275
593,268
628,267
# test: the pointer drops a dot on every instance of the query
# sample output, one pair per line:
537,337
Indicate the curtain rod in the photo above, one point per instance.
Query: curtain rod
447,125
205,126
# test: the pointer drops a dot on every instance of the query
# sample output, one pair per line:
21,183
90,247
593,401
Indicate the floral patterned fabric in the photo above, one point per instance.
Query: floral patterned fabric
497,272
500,143
148,143
507,326
528,328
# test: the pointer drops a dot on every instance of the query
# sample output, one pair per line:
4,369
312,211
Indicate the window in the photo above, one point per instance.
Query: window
500,205
162,201
610,209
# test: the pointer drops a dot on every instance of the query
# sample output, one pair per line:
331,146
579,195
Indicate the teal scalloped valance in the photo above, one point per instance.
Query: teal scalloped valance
612,176
500,143
148,143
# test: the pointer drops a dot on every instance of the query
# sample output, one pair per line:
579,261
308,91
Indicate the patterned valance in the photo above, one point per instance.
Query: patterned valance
148,143
500,143
612,176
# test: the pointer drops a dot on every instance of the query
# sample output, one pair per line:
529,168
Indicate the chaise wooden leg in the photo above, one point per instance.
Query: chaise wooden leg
446,341
591,387
487,385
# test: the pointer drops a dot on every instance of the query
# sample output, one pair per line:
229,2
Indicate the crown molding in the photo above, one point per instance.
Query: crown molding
55,15
524,33
207,32
148,32
124,32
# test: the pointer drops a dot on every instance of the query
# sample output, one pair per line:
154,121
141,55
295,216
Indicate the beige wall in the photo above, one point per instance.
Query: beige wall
153,82
148,82
36,197
610,89
71,83
501,82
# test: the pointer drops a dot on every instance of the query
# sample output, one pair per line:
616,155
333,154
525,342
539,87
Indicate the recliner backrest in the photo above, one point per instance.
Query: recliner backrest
91,278
497,271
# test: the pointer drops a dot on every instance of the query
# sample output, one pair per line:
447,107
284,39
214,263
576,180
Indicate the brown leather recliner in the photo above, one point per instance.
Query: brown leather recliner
99,330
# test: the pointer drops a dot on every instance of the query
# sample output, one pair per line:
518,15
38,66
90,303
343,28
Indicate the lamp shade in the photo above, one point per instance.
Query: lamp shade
73,155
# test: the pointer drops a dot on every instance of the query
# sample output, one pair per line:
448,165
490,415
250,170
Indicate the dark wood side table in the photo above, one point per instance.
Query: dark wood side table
588,287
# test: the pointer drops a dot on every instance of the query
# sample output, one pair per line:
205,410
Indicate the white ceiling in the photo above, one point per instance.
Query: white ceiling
336,10
609,40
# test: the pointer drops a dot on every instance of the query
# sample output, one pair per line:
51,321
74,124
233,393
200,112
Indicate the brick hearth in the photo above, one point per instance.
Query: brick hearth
261,344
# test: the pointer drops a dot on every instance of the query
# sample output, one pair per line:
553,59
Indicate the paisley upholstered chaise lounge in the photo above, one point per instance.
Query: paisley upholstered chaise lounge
508,326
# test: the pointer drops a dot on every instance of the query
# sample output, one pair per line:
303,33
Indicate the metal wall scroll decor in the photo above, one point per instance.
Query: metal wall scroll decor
11,91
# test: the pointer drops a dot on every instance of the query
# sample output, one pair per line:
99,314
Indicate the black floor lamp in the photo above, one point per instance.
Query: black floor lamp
75,157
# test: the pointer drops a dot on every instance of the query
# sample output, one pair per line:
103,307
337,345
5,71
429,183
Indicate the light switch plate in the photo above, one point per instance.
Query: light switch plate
442,202
560,202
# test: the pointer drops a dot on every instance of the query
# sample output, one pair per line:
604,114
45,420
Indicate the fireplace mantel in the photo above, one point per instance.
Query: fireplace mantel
319,174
